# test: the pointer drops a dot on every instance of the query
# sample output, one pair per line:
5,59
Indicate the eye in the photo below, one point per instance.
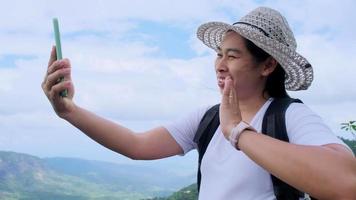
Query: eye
231,56
219,55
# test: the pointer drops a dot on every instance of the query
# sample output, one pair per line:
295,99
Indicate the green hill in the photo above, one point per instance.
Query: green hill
187,193
24,177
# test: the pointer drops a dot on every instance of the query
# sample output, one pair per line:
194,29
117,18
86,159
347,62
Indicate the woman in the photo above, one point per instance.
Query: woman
254,56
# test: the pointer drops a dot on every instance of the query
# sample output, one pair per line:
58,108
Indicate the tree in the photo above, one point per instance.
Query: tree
351,127
351,144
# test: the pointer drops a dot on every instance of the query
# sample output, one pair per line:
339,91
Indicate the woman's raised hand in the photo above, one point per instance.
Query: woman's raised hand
229,112
52,86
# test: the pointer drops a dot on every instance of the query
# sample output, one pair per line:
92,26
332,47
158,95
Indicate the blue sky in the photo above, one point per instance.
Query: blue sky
140,64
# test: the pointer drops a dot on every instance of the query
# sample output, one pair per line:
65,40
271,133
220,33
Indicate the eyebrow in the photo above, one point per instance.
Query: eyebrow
235,50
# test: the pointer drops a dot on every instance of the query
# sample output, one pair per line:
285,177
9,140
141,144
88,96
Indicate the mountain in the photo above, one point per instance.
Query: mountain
23,176
188,193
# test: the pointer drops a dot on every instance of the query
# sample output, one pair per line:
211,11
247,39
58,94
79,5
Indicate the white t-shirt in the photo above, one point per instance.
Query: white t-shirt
228,173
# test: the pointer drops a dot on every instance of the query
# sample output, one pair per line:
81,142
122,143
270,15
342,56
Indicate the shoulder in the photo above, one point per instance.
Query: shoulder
183,129
299,109
304,126
299,116
190,119
195,116
301,113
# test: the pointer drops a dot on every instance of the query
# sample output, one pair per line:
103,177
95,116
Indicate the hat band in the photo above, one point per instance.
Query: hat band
260,29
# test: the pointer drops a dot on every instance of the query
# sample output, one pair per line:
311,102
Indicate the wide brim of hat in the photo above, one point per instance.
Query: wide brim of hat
299,73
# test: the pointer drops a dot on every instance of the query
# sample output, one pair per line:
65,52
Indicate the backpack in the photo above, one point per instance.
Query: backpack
273,125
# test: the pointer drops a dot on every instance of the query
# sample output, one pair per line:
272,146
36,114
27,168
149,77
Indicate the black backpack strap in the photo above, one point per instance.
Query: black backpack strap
206,129
274,125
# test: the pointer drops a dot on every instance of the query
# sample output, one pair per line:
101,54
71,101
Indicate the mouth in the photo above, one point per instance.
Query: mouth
221,82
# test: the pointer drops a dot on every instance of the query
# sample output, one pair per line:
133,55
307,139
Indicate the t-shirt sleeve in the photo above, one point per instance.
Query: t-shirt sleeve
184,129
305,127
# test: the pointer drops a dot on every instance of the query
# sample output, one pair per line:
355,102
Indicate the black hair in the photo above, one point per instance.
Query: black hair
275,81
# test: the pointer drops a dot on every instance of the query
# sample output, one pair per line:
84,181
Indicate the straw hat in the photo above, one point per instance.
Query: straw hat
270,31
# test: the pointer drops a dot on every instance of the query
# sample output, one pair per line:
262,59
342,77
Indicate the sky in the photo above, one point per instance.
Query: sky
140,64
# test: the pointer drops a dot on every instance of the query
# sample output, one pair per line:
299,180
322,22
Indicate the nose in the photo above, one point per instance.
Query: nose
221,64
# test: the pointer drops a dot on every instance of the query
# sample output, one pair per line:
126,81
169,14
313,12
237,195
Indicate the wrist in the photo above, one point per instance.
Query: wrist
70,112
228,128
237,131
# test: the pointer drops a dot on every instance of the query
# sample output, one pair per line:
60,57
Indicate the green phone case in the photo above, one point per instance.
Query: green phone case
57,37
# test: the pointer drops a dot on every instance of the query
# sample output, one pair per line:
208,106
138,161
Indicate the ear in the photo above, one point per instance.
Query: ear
269,65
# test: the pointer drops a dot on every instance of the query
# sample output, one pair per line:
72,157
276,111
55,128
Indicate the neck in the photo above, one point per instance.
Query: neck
250,104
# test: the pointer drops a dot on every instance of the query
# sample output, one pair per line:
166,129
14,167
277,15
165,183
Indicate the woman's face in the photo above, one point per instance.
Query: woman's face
234,60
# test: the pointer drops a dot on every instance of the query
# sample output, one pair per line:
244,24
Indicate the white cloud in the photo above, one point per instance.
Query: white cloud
333,68
151,92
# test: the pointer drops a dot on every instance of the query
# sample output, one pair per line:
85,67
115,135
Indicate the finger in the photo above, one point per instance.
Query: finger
64,63
234,100
70,88
231,95
53,56
233,92
56,89
53,78
227,91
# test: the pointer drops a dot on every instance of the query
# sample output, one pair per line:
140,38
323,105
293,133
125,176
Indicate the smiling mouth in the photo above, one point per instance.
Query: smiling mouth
221,82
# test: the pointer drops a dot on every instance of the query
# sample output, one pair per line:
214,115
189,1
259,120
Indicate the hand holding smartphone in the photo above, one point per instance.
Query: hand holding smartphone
57,37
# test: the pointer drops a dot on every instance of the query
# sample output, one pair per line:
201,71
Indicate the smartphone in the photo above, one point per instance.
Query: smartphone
57,38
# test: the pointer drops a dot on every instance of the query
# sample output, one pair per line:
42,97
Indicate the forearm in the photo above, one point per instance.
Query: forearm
319,171
105,132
